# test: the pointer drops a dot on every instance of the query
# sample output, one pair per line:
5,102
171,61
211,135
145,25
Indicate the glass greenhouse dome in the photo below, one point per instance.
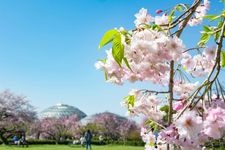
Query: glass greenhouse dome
61,110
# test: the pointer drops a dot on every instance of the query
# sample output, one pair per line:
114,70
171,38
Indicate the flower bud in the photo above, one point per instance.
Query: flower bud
158,11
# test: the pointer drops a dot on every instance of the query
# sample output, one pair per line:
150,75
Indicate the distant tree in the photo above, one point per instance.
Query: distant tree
95,128
127,129
15,114
35,129
108,123
59,128
113,126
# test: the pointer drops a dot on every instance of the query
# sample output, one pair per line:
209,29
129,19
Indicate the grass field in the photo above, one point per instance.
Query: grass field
64,147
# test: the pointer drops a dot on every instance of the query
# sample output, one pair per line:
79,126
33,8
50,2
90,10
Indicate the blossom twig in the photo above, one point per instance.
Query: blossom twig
216,66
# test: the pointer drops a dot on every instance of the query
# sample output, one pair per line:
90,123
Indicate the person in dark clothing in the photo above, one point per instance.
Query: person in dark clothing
88,137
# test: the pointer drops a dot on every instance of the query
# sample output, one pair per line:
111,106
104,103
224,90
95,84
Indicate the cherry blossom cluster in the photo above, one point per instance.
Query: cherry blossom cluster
144,103
114,72
199,14
192,130
153,139
142,18
201,64
148,55
183,89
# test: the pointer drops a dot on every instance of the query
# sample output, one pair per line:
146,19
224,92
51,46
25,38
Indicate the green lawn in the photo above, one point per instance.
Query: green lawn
64,147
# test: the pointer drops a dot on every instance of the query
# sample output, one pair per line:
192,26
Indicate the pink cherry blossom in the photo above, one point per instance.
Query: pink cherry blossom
187,62
210,53
161,20
189,125
142,17
145,104
217,102
178,105
199,14
215,122
199,65
184,89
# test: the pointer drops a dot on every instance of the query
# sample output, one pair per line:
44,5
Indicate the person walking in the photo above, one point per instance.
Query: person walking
100,138
82,141
88,137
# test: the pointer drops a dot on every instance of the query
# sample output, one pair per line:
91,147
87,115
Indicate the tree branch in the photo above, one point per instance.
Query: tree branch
194,48
156,92
187,18
216,66
170,100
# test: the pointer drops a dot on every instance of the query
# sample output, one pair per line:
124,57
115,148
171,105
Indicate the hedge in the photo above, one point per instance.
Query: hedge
94,142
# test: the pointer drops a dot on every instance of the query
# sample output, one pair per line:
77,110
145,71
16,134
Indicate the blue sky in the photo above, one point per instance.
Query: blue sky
48,49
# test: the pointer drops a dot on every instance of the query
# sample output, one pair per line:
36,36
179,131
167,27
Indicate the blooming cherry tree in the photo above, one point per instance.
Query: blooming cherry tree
16,114
58,128
113,126
153,51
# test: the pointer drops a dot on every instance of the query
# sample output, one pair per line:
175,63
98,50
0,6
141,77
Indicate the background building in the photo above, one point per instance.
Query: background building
61,110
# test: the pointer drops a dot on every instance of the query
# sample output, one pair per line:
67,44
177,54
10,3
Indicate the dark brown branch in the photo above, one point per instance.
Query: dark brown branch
187,18
170,100
191,10
180,19
194,48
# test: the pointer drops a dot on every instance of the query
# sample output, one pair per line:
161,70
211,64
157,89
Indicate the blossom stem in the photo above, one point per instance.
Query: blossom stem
160,125
221,89
194,48
156,92
207,81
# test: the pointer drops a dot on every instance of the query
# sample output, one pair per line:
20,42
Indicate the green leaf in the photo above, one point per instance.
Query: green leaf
156,27
127,36
206,28
130,99
107,38
216,36
124,32
220,23
204,39
118,49
179,8
171,15
165,108
223,1
212,17
223,59
152,124
127,63
103,60
106,75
